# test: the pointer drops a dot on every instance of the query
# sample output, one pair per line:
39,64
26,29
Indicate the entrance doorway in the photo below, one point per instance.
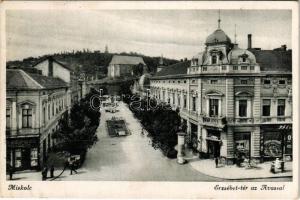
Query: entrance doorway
213,143
25,160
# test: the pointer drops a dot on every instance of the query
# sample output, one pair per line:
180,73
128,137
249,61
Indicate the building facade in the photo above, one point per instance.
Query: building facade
34,104
123,65
53,68
233,100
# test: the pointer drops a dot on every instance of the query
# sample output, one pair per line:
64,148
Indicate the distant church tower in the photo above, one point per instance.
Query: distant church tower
160,64
106,49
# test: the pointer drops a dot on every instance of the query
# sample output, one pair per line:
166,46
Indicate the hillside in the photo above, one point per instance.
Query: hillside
89,62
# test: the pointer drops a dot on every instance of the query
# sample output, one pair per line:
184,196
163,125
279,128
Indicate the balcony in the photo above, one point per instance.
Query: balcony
213,121
244,120
276,119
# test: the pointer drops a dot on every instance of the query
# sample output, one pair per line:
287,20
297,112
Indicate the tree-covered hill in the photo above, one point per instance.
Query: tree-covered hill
88,61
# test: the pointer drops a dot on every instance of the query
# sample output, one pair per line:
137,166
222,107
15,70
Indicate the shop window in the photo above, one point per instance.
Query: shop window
213,59
8,118
267,82
34,157
194,103
243,108
242,144
213,107
281,107
184,101
266,107
281,82
272,144
18,158
27,118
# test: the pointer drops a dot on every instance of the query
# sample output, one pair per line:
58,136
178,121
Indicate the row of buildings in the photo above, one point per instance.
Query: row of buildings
36,98
234,101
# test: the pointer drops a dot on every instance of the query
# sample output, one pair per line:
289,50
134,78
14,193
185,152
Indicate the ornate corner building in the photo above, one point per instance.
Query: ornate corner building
233,100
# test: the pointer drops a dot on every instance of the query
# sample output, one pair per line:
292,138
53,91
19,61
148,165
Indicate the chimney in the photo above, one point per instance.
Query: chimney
249,41
283,47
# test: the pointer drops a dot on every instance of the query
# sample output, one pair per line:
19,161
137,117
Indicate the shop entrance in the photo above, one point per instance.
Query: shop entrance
194,137
213,143
25,159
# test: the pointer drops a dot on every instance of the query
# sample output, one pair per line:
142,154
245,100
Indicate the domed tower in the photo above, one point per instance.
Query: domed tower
218,44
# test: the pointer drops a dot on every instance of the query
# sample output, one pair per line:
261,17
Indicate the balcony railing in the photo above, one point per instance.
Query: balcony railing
213,121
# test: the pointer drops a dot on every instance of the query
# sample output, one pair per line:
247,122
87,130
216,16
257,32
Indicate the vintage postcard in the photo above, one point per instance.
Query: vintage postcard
149,99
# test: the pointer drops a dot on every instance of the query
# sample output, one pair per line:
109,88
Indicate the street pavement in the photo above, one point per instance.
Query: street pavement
130,158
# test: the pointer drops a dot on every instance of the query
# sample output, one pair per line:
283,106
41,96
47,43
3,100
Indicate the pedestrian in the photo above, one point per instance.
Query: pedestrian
52,171
11,172
72,165
44,173
216,161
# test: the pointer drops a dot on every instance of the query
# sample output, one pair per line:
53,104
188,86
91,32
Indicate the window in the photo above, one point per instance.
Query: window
213,81
281,107
214,59
243,67
251,67
213,107
34,157
266,107
53,109
281,82
48,111
178,100
244,59
184,81
27,118
44,115
244,82
18,158
242,108
184,101
173,98
194,103
163,97
224,67
204,68
235,67
7,118
267,82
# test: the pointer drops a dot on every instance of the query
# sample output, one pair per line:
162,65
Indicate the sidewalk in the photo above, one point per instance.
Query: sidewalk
232,172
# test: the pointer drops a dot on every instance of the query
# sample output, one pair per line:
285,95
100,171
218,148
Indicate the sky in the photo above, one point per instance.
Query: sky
174,34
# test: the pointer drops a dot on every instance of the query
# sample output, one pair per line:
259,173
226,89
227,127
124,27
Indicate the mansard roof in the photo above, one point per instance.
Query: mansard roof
175,69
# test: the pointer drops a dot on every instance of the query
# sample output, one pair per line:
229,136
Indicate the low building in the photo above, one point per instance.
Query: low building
51,67
34,104
120,65
233,100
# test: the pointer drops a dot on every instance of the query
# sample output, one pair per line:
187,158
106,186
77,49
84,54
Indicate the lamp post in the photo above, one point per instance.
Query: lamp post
180,147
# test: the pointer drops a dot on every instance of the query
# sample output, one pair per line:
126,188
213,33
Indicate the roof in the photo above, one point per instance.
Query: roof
218,36
175,69
63,64
126,60
270,60
19,79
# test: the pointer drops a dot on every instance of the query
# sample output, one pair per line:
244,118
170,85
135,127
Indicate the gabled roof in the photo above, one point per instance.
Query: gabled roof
63,64
175,69
126,60
19,79
270,60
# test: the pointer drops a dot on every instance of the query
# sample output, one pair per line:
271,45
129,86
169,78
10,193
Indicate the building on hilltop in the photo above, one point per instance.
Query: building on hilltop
34,104
123,65
235,102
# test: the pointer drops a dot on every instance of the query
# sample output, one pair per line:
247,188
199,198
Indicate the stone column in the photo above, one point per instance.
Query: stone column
257,100
180,148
